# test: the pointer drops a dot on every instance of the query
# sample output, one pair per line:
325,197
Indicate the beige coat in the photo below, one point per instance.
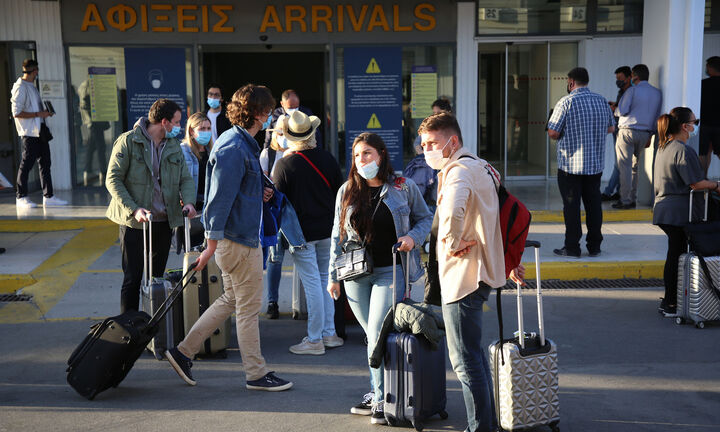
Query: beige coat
468,209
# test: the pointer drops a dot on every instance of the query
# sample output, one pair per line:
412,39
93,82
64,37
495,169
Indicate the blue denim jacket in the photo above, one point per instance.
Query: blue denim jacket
233,189
410,214
290,225
192,163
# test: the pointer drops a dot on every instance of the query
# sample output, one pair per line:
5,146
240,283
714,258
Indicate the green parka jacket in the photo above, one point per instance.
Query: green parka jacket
129,179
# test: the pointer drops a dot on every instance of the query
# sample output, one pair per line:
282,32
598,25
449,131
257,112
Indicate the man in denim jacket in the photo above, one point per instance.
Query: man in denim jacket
234,195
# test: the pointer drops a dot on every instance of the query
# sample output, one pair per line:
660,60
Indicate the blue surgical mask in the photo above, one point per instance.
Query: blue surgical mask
213,103
282,141
369,170
694,131
267,122
203,137
174,132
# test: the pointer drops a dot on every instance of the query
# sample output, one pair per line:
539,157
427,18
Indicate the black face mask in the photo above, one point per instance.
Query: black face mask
620,83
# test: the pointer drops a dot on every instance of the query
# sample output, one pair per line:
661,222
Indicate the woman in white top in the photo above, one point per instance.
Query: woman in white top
278,145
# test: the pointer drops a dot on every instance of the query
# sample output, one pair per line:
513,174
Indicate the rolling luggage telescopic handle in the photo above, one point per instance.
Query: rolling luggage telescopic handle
147,257
186,226
690,210
541,319
395,248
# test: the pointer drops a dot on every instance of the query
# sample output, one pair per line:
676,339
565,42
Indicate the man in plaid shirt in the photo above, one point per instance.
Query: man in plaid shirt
580,122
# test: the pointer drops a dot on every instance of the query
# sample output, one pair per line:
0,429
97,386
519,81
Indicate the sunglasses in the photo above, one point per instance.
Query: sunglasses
696,122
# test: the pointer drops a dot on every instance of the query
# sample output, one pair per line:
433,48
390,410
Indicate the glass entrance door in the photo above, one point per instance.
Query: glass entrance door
517,85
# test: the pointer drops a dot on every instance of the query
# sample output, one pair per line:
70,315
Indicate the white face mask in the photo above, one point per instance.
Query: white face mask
435,159
369,170
282,141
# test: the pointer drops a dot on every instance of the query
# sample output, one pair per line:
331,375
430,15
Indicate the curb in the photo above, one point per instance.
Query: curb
579,270
46,225
9,283
634,215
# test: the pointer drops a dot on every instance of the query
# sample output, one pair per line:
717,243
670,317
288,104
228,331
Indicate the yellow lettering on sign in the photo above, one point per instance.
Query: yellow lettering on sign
271,19
291,18
377,19
316,17
219,26
143,18
121,17
374,123
396,21
182,18
205,19
163,18
356,22
423,16
92,18
340,19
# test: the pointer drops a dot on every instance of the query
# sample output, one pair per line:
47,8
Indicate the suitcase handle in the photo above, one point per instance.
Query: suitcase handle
541,319
690,210
395,248
177,289
186,226
147,258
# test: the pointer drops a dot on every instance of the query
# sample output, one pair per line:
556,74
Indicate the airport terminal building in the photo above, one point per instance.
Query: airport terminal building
358,65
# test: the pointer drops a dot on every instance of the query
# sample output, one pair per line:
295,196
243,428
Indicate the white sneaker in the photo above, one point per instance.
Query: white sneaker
307,347
333,341
53,201
25,202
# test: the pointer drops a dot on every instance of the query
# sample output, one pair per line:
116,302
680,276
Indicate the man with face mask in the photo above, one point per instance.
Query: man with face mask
30,115
216,112
710,113
289,103
622,81
147,175
580,122
470,258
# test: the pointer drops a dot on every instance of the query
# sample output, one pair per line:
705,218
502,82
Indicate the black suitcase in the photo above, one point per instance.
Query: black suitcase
415,386
109,351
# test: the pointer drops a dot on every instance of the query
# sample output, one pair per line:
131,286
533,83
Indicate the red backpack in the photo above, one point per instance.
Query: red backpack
514,221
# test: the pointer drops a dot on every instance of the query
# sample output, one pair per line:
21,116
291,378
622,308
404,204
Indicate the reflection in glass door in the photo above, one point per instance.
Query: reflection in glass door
517,86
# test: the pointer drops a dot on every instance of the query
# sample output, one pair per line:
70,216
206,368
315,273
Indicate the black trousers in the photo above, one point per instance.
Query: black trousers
131,246
677,245
34,149
573,189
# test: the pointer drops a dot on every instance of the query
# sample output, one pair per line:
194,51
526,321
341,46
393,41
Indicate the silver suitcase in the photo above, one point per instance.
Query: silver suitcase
525,371
696,301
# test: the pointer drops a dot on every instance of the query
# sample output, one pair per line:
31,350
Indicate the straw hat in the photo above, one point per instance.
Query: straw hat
299,126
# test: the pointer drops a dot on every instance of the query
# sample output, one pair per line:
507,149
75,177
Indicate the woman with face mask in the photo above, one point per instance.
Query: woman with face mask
268,158
377,209
677,170
196,148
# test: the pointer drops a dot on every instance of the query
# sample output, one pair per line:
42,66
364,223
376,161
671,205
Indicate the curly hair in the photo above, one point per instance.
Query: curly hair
249,101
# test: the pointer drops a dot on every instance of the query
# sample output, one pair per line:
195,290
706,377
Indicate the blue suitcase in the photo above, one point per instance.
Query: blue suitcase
415,387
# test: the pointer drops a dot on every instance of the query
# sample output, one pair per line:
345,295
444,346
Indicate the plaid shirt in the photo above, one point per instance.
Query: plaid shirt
582,118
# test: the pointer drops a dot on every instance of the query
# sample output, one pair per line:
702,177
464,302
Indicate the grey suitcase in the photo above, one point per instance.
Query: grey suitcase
202,290
415,386
154,292
525,371
696,301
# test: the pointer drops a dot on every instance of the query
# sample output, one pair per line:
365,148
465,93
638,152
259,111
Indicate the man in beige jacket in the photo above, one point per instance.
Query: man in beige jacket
470,257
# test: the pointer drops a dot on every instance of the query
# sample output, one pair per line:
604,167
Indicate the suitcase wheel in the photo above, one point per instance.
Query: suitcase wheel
417,424
391,421
443,415
700,324
679,320
554,426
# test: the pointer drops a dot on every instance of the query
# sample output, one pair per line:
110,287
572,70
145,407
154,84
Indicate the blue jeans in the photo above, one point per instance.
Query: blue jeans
312,264
370,298
274,272
463,326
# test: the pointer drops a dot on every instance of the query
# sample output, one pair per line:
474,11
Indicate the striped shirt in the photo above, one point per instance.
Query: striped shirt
582,118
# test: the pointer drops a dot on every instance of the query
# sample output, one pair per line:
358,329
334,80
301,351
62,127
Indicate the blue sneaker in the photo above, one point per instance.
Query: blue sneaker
269,382
181,364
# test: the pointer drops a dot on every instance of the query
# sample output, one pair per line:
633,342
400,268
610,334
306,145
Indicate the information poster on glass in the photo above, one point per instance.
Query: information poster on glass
103,94
152,74
373,98
424,91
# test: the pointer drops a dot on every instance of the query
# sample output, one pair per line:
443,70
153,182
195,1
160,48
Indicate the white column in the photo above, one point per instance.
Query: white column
466,70
672,50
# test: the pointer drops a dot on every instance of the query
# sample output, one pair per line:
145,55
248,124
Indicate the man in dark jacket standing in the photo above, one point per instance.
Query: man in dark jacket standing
216,113
289,103
147,175
710,113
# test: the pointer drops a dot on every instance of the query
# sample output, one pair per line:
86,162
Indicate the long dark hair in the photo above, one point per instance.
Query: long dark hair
357,192
670,124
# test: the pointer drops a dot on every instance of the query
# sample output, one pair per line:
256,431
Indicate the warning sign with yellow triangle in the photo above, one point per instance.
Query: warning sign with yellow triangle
374,123
372,67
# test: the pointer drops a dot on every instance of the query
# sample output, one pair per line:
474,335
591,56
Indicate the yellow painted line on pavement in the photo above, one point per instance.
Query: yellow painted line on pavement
633,215
597,270
9,283
57,274
45,225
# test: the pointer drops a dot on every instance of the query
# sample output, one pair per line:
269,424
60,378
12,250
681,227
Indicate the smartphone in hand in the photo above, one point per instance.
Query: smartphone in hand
49,107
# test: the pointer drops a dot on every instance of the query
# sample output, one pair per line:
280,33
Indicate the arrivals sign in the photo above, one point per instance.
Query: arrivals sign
373,98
